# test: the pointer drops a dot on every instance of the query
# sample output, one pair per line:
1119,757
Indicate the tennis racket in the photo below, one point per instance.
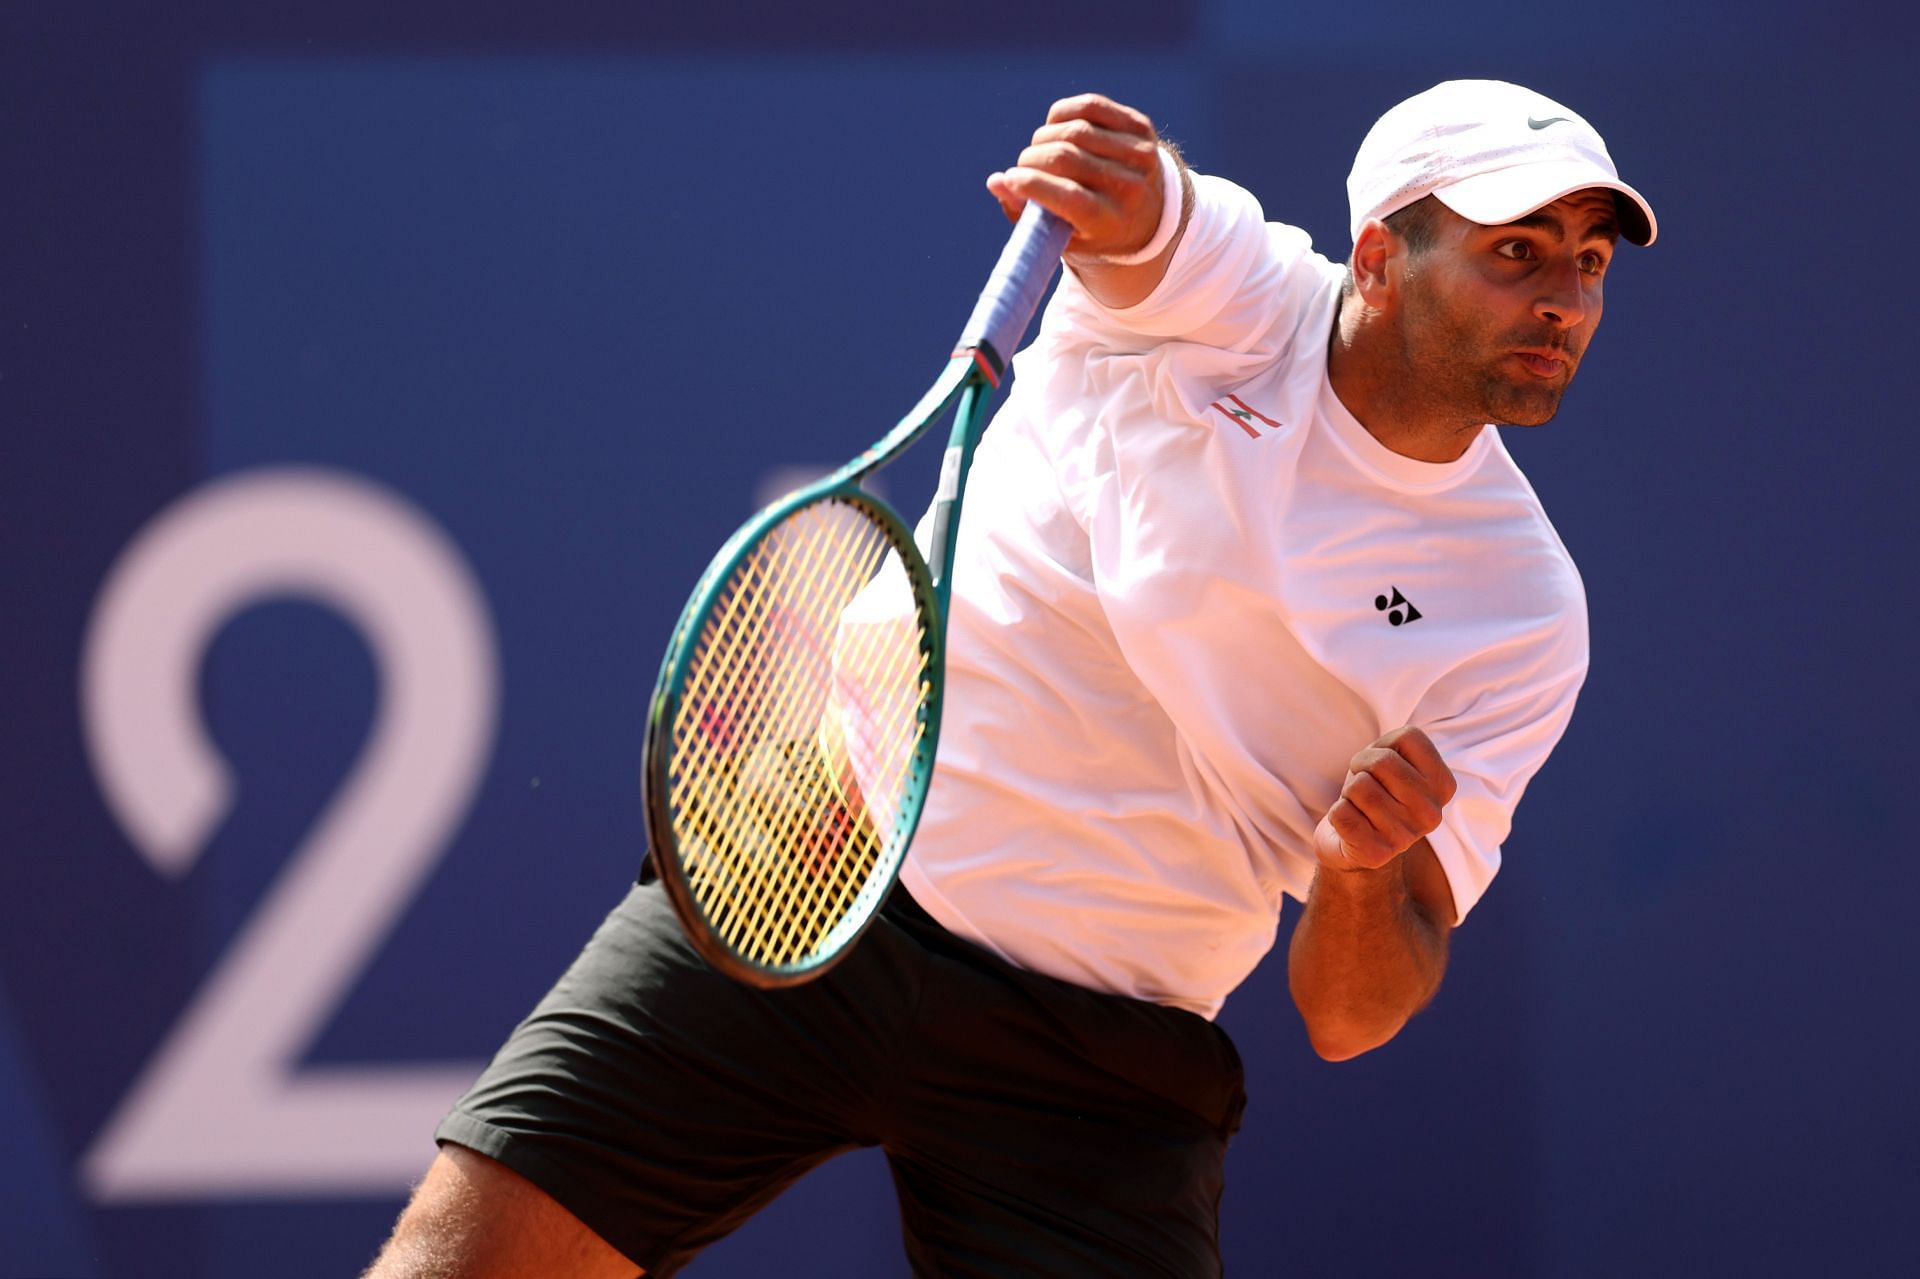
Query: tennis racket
791,736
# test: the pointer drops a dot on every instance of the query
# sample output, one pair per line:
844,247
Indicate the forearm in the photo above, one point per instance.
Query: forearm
1365,957
1118,286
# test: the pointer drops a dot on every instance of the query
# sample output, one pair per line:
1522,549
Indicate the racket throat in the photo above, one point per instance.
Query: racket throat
944,532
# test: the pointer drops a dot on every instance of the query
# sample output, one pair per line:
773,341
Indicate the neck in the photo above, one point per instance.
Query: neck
1369,370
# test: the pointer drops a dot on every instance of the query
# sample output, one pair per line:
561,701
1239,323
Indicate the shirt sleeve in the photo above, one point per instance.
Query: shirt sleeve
1494,750
1230,274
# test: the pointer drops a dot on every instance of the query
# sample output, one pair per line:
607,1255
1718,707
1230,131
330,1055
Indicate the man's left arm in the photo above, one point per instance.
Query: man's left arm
1371,944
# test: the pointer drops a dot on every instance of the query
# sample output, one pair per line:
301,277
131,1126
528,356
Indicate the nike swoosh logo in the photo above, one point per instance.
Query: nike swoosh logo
1553,119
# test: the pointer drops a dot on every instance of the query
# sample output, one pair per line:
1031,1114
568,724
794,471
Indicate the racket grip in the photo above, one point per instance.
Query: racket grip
1013,291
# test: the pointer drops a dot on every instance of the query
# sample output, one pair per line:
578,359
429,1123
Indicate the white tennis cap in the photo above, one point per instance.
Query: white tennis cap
1491,152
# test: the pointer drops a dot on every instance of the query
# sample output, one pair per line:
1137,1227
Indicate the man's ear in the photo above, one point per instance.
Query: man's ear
1376,261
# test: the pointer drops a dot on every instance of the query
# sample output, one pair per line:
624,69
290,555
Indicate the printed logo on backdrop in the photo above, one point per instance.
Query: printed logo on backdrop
222,1107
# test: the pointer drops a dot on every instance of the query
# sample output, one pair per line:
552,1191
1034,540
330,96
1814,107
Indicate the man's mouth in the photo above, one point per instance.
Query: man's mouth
1542,362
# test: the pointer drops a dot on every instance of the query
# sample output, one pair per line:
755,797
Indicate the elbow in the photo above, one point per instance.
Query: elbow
1344,1039
1342,1025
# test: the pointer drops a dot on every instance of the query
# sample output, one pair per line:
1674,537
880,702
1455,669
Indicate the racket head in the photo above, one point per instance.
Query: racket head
791,735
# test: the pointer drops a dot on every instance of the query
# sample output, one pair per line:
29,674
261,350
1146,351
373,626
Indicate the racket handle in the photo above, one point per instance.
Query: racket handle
1013,291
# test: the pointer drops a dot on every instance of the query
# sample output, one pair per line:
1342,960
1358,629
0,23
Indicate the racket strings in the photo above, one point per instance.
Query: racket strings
794,740
787,796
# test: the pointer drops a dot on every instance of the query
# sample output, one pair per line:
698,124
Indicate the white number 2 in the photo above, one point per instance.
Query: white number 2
220,1110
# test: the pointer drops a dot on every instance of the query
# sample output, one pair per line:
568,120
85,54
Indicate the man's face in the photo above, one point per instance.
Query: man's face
1494,319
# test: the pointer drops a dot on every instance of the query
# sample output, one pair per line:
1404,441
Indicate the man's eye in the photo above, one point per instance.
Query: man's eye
1518,250
1592,263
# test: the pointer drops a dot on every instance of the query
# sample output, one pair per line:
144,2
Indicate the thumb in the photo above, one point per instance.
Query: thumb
1330,850
997,188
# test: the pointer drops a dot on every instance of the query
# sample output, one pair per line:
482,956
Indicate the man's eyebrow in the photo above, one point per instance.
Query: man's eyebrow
1604,227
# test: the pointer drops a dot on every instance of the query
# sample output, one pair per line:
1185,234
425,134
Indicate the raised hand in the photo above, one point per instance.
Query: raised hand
1095,163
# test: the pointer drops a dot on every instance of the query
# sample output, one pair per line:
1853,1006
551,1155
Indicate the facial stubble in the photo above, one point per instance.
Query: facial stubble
1458,368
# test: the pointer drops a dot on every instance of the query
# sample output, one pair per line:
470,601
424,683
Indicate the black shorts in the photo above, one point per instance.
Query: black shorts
1032,1126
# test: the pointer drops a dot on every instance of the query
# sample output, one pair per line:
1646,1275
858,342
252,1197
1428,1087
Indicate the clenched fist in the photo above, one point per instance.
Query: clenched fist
1392,799
1096,163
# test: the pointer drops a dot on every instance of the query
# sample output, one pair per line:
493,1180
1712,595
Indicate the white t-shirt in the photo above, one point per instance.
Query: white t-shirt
1173,623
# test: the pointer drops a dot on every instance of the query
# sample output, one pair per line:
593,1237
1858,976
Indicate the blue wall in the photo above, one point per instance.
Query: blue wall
553,297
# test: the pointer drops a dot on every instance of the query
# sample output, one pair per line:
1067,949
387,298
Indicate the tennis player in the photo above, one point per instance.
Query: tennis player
1250,603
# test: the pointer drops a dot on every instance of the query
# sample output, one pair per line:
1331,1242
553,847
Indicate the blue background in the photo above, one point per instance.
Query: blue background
574,283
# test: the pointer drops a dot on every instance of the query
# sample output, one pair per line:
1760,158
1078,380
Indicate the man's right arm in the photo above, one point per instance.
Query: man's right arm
1098,165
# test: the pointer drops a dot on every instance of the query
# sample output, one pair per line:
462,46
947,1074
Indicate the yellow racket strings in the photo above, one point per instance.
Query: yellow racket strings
795,733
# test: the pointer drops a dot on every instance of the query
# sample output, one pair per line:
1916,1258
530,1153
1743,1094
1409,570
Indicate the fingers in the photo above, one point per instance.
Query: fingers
1395,792
1132,151
1109,214
1102,222
1115,170
1418,750
1096,164
1103,111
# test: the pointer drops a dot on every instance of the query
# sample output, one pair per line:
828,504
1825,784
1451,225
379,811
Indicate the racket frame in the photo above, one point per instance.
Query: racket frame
966,385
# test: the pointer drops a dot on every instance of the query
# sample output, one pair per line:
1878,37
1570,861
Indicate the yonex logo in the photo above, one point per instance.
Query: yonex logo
1552,119
1403,609
1242,415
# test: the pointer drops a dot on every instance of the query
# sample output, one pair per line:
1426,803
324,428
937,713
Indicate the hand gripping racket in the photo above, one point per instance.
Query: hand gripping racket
791,735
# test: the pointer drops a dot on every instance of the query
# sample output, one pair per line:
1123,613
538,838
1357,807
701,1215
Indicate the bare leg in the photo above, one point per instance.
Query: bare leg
472,1218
